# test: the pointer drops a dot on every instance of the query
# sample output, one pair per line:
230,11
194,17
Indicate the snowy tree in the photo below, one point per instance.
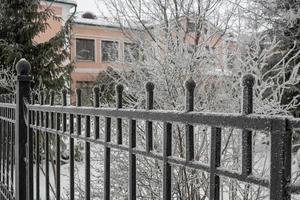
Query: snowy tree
173,41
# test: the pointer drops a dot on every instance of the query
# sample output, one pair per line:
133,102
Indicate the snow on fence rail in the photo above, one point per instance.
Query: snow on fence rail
22,120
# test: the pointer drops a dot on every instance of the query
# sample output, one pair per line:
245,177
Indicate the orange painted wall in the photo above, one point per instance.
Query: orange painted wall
54,26
88,70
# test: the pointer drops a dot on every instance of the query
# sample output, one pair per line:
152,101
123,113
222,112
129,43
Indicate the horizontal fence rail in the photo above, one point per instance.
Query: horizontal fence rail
52,122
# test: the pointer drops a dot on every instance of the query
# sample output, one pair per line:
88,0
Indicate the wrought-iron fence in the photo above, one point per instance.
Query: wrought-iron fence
23,123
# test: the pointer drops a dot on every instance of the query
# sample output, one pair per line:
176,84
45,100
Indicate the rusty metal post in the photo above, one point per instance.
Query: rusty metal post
22,91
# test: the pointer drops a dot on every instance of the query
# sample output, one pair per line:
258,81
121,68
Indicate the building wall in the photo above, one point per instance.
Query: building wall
87,71
54,26
60,10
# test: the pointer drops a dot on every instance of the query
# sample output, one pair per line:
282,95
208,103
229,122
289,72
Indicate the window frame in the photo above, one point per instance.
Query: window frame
76,48
118,50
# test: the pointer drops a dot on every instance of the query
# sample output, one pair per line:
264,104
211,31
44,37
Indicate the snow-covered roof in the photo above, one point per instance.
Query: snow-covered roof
98,21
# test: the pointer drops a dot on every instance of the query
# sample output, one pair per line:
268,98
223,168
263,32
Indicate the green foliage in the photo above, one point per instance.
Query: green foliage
20,23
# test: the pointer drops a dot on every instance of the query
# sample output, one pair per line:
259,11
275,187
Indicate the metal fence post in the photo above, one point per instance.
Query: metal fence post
280,171
247,108
22,91
189,129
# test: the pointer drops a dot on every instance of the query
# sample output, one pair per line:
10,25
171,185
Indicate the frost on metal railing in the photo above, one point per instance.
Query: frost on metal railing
7,137
130,137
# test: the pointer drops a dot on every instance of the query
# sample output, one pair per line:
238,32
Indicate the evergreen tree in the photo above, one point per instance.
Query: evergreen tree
283,22
20,22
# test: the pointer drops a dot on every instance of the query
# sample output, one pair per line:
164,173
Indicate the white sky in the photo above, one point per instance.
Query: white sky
88,5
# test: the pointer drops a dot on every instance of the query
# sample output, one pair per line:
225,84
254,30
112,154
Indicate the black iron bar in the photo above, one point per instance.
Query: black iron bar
215,162
132,161
1,141
47,180
96,118
57,157
247,108
172,160
78,117
107,138
235,120
167,169
189,129
87,159
119,102
72,179
30,150
149,124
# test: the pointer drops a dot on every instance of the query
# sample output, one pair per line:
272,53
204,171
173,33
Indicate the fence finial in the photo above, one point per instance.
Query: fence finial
78,97
64,96
42,96
119,95
149,86
190,84
248,80
52,95
96,90
23,67
189,94
119,88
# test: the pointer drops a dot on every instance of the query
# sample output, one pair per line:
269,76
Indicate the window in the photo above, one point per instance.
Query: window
109,51
131,52
85,49
191,27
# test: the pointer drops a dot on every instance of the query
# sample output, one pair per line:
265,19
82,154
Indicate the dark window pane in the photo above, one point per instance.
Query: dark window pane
109,51
85,49
131,52
191,27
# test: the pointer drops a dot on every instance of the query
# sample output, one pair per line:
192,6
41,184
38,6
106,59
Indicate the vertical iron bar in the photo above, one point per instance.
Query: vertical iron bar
58,116
30,150
12,148
132,161
167,169
281,146
107,159
78,117
23,91
87,159
8,145
47,181
119,94
4,147
149,125
96,118
247,108
37,145
215,161
72,191
189,129
1,142
3,151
